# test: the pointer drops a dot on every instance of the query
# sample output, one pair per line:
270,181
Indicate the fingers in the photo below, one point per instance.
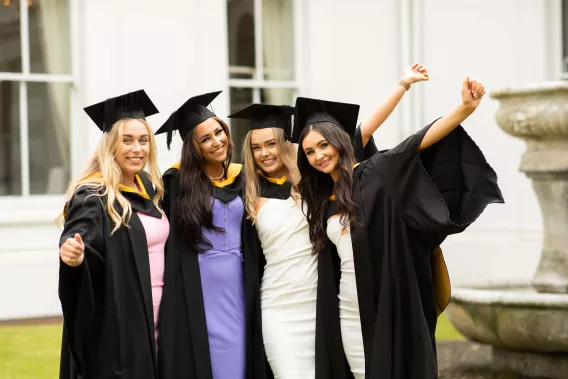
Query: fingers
477,89
72,251
72,244
69,258
417,72
72,248
474,89
480,90
72,261
418,67
79,239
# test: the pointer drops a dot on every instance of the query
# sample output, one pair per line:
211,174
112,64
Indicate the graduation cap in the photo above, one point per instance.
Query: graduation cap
192,113
311,111
263,116
131,105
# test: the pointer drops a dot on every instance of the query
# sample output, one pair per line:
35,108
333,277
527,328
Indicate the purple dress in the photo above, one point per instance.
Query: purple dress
222,280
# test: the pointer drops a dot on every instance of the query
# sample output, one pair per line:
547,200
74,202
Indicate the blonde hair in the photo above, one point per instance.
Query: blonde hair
103,161
252,187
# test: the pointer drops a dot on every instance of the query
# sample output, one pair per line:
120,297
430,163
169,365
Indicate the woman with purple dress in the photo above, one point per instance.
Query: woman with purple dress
210,294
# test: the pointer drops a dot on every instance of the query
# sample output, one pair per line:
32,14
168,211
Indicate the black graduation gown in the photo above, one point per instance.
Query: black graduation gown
107,300
183,345
409,202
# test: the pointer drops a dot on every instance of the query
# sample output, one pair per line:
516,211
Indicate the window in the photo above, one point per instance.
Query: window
35,85
262,58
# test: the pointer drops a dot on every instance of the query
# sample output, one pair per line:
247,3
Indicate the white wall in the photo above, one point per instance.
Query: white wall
355,52
350,51
501,44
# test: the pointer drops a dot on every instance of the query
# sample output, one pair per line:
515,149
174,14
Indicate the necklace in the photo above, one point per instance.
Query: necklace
220,177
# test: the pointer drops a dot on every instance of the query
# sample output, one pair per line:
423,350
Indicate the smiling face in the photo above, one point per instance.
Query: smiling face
321,155
133,151
266,152
212,141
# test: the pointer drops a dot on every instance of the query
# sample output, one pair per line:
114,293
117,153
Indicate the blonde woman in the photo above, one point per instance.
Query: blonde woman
112,249
288,269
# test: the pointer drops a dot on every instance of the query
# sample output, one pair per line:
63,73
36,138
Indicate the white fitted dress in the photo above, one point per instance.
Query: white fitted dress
350,318
288,290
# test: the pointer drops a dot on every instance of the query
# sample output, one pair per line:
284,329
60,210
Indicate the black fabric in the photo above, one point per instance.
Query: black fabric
311,111
107,300
141,204
362,153
190,114
264,116
408,204
135,104
183,345
271,190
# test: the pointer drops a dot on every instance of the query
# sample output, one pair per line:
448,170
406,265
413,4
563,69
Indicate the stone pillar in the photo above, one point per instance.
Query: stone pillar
539,116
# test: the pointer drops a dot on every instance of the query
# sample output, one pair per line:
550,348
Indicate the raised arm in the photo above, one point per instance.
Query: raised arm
413,74
472,93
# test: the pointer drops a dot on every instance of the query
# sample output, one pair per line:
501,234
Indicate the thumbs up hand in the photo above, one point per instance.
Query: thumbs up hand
72,252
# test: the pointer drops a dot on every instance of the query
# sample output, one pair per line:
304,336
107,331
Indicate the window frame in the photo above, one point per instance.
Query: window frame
258,82
26,76
28,208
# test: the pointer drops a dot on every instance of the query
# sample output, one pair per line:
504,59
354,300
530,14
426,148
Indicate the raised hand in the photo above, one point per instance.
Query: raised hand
72,252
415,73
472,93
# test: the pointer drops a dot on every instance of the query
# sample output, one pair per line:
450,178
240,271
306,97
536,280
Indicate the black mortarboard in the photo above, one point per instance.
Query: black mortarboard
131,105
311,111
263,116
192,113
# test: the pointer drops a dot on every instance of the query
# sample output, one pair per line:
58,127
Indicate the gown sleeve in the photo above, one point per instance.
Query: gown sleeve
441,190
362,153
166,206
83,215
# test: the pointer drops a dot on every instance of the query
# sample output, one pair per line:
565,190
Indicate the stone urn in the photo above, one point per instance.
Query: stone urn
527,326
539,116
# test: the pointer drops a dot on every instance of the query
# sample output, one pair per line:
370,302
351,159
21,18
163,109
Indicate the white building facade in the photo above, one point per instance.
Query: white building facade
57,56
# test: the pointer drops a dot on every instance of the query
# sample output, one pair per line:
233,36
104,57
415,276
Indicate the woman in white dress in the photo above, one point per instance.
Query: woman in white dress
288,267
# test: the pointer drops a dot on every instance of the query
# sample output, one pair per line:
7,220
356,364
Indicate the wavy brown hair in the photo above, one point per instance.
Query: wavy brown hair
194,205
287,154
317,187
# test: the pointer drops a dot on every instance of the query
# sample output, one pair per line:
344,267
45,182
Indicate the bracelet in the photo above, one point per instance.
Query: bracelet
404,83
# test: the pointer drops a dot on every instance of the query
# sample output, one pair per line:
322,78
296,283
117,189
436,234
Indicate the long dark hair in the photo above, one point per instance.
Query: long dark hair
194,205
316,187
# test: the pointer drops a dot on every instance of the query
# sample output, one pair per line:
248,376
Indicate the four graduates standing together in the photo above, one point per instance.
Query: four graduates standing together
319,260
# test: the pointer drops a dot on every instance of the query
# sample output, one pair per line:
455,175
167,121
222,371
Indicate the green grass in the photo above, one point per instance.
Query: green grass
445,330
30,351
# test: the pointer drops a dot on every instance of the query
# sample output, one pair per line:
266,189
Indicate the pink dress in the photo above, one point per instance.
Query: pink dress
157,231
